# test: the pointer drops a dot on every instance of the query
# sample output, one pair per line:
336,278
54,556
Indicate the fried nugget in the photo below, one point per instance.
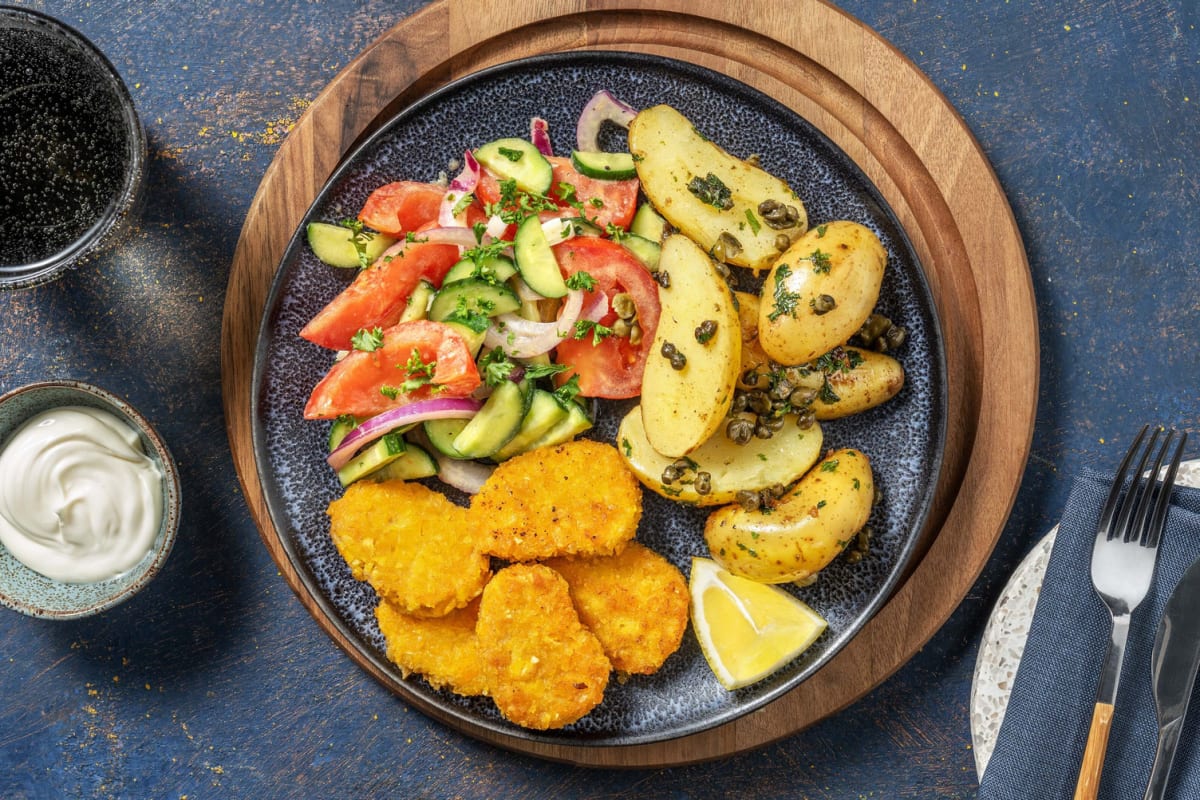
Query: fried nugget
635,602
410,543
543,668
577,498
443,649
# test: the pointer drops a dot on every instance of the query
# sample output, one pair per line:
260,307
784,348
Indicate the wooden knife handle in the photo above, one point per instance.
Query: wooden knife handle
1093,754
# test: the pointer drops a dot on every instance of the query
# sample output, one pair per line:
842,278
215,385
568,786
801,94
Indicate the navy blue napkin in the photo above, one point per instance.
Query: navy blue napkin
1041,741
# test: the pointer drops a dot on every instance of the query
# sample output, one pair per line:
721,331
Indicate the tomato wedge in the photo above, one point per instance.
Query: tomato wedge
611,367
403,206
378,295
601,201
368,383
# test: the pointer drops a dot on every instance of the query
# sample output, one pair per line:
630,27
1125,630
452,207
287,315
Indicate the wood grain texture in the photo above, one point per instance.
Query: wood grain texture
1092,765
877,107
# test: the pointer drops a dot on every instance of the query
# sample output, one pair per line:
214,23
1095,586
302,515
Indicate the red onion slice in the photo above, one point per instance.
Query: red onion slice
603,107
523,338
466,476
463,184
539,134
388,421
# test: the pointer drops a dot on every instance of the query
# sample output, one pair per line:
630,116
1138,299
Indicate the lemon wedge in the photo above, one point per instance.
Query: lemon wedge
747,630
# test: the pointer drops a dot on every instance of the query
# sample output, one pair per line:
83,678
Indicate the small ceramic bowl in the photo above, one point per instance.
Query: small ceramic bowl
72,149
34,594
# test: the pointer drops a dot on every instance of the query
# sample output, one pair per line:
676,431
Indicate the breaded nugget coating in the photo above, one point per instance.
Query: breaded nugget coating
543,668
635,602
410,543
577,498
443,649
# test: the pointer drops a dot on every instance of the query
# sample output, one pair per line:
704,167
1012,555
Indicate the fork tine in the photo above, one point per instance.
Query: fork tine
1138,529
1114,494
1129,501
1163,496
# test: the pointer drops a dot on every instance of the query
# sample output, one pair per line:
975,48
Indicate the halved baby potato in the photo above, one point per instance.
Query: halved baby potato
688,383
806,530
756,465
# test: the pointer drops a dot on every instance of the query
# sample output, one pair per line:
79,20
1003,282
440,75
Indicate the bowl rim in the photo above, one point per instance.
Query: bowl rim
27,276
128,583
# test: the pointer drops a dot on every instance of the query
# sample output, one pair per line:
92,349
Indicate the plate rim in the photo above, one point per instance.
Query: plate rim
388,673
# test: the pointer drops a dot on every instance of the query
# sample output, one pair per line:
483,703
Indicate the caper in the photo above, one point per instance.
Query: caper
778,215
875,326
678,361
706,330
670,474
703,483
895,337
782,242
782,388
748,499
663,278
624,306
750,377
802,397
823,304
621,328
776,490
761,431
805,419
773,424
739,403
667,350
759,402
739,430
635,334
729,245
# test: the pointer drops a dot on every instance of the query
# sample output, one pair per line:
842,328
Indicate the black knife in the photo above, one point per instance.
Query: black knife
1173,669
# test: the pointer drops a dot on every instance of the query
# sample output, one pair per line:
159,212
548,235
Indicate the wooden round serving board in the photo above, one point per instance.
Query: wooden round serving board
883,112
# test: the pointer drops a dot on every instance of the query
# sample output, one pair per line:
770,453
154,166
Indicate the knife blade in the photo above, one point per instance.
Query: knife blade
1173,666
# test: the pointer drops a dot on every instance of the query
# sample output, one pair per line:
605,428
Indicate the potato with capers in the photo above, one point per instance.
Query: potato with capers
820,291
732,208
690,374
847,380
806,529
717,471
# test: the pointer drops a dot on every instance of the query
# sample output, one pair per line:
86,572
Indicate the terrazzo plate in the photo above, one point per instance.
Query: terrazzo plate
904,438
1005,634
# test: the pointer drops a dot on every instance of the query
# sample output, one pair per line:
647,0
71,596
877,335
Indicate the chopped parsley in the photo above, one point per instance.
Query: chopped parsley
755,225
711,190
367,340
511,154
785,300
419,372
830,466
568,391
581,280
598,332
515,205
359,238
821,231
820,261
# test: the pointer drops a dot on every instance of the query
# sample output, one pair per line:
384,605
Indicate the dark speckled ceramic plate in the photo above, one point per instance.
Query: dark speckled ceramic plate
904,438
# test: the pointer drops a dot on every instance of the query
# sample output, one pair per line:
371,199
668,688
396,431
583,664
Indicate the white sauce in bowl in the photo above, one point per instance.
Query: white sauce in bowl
80,501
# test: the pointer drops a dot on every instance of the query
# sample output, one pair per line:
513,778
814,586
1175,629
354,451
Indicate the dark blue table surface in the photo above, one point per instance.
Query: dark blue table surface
215,682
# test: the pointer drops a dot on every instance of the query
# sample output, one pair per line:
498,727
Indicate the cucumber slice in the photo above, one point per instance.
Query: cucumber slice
544,413
496,423
578,420
334,244
416,463
441,433
418,302
381,452
536,261
341,426
648,223
643,250
473,296
605,166
517,160
474,338
495,267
